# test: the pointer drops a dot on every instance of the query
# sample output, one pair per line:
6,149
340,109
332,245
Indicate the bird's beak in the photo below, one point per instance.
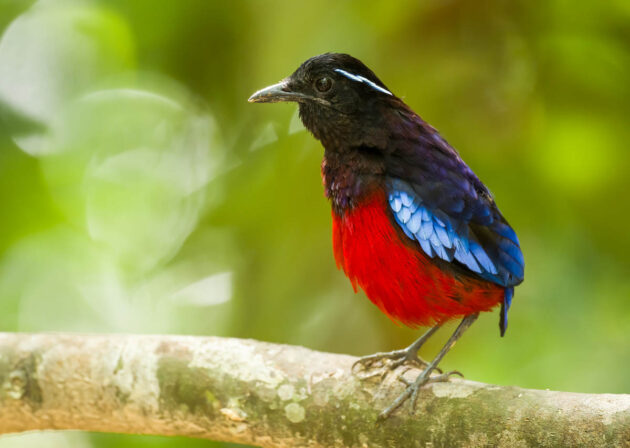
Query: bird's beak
276,93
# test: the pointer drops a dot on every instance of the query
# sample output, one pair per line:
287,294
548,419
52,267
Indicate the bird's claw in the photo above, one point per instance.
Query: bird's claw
367,362
412,389
397,358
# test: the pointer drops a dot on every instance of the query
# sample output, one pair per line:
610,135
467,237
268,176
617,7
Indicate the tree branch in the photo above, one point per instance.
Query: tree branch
274,396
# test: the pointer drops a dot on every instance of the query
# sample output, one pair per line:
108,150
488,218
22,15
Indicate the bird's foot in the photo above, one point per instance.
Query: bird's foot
388,361
411,392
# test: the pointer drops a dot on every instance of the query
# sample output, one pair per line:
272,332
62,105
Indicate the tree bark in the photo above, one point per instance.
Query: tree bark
273,395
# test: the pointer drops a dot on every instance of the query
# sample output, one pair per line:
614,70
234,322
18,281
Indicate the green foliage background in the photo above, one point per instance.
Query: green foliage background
140,192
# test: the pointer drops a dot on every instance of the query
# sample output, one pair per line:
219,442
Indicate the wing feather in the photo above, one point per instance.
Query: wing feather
477,237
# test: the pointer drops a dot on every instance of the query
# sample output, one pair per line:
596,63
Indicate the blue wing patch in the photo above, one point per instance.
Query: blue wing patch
485,245
436,235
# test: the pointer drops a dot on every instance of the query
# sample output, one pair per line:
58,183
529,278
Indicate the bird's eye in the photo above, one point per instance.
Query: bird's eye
323,84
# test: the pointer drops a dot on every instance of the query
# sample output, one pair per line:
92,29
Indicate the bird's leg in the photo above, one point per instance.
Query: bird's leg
409,354
425,377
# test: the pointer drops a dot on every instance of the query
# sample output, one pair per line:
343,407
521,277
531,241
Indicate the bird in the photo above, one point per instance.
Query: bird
412,224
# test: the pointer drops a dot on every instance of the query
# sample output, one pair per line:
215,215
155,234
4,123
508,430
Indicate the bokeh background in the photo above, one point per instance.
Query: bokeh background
141,193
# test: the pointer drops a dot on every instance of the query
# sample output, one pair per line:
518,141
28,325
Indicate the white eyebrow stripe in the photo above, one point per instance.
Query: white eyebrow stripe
364,80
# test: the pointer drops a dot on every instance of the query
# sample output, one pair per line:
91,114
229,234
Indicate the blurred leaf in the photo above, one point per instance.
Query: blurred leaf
55,51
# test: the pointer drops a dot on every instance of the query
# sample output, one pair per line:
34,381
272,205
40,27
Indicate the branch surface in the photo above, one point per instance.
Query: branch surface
273,395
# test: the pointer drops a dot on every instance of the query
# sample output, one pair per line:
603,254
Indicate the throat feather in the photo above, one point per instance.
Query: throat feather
349,176
341,185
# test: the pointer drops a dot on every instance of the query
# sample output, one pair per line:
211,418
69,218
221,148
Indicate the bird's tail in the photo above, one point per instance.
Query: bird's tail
505,307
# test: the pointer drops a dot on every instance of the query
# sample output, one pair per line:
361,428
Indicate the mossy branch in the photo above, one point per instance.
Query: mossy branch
274,396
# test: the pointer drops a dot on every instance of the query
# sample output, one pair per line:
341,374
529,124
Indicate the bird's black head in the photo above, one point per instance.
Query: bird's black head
341,100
